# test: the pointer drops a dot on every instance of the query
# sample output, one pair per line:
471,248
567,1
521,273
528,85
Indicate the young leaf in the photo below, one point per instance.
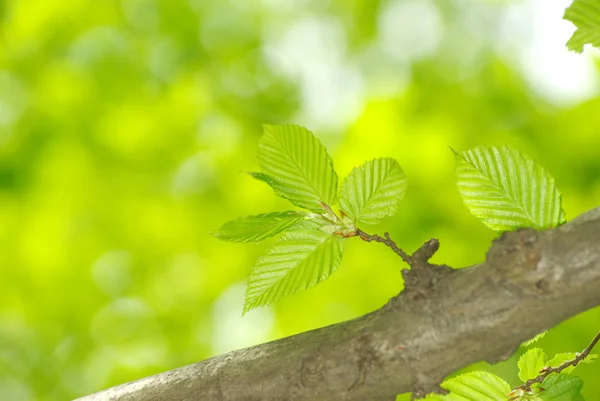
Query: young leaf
256,228
301,258
435,397
530,364
297,166
559,359
507,190
373,190
444,397
560,387
478,386
585,14
535,339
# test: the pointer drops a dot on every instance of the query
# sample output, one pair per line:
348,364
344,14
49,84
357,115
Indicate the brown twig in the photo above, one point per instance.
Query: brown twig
549,370
387,241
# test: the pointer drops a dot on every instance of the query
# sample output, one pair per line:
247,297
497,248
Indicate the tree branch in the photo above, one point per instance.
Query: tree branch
444,320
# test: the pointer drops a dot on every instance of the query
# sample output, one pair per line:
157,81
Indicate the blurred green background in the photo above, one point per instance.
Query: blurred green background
126,126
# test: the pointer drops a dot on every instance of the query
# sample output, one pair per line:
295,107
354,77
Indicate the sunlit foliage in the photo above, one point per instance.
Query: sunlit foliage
127,126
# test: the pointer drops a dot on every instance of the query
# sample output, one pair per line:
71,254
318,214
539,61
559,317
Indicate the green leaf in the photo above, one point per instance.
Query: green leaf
297,166
560,387
559,359
444,397
531,363
478,386
264,178
301,258
256,228
435,397
373,190
507,190
535,339
585,14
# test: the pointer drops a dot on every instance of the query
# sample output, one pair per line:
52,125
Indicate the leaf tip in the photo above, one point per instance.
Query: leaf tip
260,176
267,126
247,307
219,233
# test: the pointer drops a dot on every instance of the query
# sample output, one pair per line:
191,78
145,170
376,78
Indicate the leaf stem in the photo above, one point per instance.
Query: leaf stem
549,370
386,241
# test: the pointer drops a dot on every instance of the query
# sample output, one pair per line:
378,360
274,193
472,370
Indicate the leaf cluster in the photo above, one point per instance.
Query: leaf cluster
310,243
499,185
486,386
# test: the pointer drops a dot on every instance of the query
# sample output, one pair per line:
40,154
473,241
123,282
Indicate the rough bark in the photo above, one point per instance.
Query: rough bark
444,320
